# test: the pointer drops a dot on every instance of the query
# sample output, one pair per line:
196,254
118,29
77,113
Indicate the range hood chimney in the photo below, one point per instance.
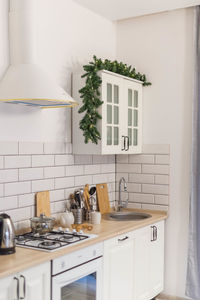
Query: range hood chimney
24,81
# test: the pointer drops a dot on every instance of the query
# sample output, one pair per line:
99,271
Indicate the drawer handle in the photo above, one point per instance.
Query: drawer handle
15,278
24,287
124,239
155,233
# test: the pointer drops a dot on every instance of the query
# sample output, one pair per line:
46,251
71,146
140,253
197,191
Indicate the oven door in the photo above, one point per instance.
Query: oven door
80,283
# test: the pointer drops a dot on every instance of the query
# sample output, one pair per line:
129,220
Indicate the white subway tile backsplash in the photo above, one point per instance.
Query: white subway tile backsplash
8,203
162,159
99,178
8,175
31,148
141,198
12,162
42,160
8,148
161,179
42,185
82,180
74,170
65,182
1,162
155,169
17,188
155,207
155,189
103,159
30,174
57,195
120,175
128,168
134,187
26,200
20,214
134,205
162,199
141,159
92,169
110,177
83,159
59,207
107,168
121,158
53,172
141,178
64,160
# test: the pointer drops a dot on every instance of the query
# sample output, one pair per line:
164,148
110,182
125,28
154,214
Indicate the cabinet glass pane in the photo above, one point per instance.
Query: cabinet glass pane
135,137
116,136
135,122
129,97
109,135
130,136
129,117
109,92
109,114
135,98
116,115
116,94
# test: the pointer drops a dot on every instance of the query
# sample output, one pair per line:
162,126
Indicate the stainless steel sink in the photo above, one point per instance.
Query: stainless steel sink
126,216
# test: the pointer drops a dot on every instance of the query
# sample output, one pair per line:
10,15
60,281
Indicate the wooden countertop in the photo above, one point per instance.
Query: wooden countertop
25,258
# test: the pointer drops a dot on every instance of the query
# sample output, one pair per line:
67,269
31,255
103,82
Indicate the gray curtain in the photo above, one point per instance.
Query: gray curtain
193,266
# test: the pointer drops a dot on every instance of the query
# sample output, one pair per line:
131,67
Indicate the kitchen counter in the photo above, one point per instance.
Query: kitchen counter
25,258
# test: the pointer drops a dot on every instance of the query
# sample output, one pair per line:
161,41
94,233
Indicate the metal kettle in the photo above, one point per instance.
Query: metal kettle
7,235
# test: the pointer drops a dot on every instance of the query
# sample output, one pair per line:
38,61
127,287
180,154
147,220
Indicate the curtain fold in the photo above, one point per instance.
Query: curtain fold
193,263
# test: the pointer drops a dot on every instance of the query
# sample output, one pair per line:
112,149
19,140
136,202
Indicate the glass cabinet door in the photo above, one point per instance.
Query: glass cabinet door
133,117
111,129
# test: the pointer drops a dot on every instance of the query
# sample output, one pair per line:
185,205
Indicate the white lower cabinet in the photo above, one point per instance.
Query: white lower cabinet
134,264
118,268
31,284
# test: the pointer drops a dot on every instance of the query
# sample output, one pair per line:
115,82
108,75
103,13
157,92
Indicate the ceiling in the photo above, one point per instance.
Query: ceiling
123,9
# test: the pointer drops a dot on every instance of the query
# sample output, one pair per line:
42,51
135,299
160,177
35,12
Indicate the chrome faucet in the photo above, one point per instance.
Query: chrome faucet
120,202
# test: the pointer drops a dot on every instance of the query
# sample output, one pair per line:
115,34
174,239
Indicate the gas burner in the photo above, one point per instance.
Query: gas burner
49,244
69,238
21,238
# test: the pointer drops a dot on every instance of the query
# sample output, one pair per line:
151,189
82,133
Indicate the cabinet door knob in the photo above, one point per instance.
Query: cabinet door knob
17,289
124,143
24,286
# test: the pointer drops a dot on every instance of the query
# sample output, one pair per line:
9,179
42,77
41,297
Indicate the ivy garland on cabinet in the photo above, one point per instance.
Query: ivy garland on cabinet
91,96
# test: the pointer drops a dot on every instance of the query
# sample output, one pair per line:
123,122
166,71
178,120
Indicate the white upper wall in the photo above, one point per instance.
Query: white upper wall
68,36
123,9
161,46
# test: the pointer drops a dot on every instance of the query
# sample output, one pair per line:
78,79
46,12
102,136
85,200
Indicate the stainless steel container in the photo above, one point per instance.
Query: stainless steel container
78,215
42,224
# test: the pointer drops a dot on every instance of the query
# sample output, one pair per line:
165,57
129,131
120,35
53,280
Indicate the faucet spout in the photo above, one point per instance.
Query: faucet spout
120,202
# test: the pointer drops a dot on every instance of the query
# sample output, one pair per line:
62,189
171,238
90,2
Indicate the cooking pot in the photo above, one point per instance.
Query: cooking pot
42,224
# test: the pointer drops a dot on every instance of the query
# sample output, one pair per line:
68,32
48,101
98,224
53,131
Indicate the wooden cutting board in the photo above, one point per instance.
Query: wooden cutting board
103,198
43,204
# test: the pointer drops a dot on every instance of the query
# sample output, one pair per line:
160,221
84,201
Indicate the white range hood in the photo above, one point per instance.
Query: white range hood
25,82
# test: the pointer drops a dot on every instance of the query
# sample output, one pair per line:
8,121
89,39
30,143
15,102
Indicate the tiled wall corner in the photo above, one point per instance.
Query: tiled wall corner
147,175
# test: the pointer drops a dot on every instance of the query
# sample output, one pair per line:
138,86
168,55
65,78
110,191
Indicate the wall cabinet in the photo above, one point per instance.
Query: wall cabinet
30,284
134,264
121,111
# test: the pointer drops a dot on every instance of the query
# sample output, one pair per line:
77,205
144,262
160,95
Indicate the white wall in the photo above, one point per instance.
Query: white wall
68,36
161,46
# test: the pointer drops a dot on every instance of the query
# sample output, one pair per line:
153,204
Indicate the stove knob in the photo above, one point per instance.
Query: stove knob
67,230
60,229
81,231
74,231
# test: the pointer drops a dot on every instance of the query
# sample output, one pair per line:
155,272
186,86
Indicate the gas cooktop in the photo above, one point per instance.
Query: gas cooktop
51,241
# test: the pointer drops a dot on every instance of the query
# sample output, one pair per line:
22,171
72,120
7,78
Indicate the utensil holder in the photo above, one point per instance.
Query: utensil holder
78,215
